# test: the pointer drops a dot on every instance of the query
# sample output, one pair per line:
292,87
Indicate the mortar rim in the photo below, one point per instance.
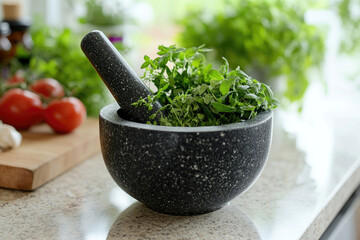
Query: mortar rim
109,114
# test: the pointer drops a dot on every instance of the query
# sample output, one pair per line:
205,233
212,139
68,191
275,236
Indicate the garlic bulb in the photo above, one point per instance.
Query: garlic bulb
9,137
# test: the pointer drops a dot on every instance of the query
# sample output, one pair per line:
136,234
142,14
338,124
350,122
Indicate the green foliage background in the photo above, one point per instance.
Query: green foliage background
350,25
266,37
57,54
96,15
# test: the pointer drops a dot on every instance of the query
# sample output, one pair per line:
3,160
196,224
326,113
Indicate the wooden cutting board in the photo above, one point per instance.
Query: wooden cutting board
44,155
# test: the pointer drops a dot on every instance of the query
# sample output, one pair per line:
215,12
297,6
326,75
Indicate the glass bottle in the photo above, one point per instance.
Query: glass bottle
5,45
19,36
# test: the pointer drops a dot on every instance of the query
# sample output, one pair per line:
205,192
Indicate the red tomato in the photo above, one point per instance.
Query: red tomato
65,114
21,108
48,88
15,79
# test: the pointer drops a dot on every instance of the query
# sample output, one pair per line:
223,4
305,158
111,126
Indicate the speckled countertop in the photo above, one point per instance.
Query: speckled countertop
313,168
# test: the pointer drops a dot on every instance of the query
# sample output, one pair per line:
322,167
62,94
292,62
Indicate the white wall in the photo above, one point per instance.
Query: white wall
54,12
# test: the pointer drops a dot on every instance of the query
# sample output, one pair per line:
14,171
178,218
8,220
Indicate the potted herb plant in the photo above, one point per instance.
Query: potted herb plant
108,16
207,141
269,39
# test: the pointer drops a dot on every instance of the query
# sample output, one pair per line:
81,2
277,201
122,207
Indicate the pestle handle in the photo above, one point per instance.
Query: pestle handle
118,76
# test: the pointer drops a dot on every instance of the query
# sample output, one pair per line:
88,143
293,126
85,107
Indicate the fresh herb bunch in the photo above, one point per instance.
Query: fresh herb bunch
270,39
193,94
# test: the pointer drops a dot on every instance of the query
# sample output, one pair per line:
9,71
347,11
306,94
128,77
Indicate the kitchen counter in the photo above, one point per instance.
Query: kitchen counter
313,168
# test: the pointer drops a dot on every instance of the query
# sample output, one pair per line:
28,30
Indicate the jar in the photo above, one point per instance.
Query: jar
5,44
19,27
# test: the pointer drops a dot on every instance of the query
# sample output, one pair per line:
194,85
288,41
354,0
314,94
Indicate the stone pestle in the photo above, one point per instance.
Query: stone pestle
118,76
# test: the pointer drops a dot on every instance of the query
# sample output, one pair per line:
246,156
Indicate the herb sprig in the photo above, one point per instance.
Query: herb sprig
194,94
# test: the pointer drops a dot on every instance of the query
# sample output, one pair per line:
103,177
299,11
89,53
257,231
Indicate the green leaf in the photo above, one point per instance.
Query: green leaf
242,88
251,96
164,60
198,59
215,75
222,107
247,108
208,98
235,73
207,112
214,83
145,64
178,50
164,87
203,88
162,52
225,86
190,52
224,68
205,50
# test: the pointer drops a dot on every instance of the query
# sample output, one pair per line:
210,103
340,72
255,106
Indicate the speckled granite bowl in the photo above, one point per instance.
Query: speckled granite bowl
184,170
